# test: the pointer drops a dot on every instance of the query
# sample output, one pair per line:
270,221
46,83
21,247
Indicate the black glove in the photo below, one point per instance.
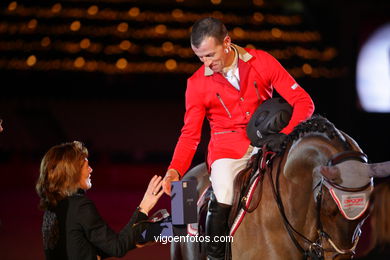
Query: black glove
274,142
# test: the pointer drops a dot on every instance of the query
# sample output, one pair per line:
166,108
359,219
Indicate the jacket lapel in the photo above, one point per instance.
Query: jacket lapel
220,79
243,68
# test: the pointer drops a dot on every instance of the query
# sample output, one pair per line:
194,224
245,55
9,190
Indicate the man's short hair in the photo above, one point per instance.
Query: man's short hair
208,27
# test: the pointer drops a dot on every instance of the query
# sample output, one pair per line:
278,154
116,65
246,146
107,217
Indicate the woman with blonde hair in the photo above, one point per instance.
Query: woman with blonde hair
72,227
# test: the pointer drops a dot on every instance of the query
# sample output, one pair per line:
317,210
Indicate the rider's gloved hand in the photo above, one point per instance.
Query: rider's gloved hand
274,142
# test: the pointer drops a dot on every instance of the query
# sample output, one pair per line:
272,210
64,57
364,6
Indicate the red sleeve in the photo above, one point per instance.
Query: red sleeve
288,88
191,131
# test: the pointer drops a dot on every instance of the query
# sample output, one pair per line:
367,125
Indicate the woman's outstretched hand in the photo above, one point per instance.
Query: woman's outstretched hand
152,194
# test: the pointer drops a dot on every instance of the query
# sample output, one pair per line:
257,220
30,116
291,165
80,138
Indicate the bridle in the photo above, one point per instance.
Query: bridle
334,160
347,156
316,249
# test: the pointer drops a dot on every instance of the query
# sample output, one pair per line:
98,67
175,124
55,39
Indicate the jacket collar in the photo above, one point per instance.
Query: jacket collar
242,54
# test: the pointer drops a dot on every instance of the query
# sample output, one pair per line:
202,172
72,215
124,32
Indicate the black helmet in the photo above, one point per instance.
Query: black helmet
270,118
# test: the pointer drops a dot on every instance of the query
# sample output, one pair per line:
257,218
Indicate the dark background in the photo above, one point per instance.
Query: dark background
130,121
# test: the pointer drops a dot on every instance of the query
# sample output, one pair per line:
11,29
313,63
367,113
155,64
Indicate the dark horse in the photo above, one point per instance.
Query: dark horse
295,216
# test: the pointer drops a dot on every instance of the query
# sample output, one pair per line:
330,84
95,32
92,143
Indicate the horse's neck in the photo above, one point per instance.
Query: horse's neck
304,155
298,171
296,181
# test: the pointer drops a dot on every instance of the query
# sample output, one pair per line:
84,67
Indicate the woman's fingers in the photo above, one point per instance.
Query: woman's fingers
152,194
160,193
158,186
154,182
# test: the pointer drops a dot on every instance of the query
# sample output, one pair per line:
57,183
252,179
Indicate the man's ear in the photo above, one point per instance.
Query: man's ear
227,41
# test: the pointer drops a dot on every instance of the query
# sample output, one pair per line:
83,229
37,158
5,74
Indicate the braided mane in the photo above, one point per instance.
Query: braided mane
316,124
319,124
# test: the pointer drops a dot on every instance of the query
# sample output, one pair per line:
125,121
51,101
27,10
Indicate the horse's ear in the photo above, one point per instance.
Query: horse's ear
379,170
331,173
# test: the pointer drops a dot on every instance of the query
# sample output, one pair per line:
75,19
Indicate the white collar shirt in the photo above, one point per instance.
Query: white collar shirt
231,73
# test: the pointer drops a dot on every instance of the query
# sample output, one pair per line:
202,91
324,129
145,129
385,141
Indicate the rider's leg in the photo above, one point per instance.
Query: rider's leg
216,227
223,172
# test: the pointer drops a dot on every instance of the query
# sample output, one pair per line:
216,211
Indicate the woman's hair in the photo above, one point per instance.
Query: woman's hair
380,215
60,173
208,27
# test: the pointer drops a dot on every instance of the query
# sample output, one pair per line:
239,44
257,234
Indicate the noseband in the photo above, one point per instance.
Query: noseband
316,249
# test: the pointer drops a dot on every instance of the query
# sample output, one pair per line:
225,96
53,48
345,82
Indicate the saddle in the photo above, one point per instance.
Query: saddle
247,193
248,186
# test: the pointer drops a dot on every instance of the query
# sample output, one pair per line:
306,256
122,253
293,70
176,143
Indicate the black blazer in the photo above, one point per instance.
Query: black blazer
75,230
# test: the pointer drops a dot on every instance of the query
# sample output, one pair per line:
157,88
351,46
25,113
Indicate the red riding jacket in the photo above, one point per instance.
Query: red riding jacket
229,110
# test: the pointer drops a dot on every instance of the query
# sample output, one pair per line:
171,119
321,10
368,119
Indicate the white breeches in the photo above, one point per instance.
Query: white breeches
223,172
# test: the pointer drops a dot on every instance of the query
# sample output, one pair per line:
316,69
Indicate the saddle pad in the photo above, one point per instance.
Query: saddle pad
193,229
352,205
242,212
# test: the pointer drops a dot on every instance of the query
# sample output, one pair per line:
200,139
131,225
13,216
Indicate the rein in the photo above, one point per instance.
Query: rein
316,250
290,229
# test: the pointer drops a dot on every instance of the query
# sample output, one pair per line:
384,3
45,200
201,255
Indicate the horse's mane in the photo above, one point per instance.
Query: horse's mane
316,123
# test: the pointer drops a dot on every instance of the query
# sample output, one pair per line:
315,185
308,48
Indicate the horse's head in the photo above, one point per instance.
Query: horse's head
341,181
349,186
346,187
317,159
349,183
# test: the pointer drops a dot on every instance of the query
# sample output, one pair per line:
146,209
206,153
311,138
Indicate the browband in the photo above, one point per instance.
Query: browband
347,155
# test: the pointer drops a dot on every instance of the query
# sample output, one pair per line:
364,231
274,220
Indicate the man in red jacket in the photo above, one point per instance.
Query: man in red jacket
227,89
